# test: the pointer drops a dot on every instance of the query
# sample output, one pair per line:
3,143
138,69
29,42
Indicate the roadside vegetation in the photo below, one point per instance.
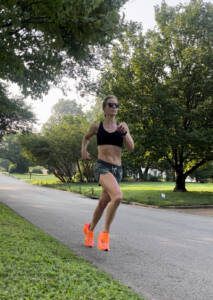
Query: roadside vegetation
34,265
149,193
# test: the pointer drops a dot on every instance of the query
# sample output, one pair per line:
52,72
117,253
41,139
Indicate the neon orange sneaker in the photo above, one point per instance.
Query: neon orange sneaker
103,241
89,239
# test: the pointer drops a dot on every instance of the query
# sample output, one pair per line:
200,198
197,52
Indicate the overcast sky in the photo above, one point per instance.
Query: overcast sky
137,10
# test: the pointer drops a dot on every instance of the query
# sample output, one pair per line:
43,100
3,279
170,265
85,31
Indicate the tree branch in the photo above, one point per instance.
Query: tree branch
196,166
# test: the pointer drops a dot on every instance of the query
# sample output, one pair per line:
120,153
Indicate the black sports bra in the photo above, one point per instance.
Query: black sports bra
109,138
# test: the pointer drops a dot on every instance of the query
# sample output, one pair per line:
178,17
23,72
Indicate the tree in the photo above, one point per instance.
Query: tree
59,148
62,108
15,115
164,83
40,40
11,151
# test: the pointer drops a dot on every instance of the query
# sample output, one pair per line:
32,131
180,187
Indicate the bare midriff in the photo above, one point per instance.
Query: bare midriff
110,154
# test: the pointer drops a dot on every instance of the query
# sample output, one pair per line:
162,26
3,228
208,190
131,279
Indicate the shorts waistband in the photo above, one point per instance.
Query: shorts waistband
107,164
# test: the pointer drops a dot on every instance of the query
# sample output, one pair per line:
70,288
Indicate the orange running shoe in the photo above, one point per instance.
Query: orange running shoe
103,241
89,239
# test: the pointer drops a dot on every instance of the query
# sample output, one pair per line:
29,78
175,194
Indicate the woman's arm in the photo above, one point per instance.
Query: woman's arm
92,131
128,140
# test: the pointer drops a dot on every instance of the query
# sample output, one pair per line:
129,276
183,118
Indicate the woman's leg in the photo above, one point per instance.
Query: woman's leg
103,201
110,185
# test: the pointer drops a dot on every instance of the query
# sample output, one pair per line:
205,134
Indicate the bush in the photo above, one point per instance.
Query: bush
4,164
37,170
77,178
12,168
128,179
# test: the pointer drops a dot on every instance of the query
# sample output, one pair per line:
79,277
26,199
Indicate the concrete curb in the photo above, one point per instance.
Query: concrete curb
189,207
156,206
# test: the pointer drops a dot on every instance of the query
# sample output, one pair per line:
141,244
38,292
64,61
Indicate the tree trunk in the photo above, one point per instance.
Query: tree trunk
145,174
180,182
79,169
140,173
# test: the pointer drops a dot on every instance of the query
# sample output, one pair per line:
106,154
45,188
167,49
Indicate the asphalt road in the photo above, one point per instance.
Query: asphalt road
161,254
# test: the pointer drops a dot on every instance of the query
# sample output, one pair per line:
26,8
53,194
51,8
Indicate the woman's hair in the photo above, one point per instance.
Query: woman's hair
107,98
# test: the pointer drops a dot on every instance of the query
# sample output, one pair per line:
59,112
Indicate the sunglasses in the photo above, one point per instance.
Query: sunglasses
116,105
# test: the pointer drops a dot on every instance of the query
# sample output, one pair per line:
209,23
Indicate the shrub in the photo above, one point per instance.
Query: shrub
12,168
36,169
128,179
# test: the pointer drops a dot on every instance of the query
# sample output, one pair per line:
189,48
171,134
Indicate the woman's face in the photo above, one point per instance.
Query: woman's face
111,107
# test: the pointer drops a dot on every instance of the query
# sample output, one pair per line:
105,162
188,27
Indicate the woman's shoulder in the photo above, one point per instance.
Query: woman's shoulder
95,126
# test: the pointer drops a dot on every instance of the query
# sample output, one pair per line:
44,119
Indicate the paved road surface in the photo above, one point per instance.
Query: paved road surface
161,254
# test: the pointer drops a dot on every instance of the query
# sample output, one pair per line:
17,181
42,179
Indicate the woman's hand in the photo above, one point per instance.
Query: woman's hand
85,155
122,128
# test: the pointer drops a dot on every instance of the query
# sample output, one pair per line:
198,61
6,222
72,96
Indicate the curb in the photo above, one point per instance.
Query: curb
188,206
156,206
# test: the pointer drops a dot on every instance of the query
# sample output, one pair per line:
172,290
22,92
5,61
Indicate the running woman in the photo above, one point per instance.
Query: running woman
108,170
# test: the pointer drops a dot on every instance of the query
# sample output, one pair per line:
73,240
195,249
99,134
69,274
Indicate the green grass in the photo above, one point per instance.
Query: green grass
34,266
38,177
148,193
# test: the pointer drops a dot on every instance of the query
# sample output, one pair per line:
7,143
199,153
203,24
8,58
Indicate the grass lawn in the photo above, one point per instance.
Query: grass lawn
34,266
39,177
143,192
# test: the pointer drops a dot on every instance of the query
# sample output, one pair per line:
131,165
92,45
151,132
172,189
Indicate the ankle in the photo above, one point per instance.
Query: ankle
91,227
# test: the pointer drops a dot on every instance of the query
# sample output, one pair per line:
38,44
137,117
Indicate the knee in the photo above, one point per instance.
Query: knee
117,198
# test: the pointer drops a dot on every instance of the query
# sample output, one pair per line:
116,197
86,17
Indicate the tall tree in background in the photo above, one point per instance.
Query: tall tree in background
164,81
61,109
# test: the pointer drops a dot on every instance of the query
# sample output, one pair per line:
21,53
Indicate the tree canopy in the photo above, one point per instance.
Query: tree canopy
15,115
59,148
61,109
164,81
39,40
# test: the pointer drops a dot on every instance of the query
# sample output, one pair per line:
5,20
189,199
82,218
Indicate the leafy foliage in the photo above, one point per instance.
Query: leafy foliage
61,109
15,115
42,39
204,173
10,150
4,164
59,148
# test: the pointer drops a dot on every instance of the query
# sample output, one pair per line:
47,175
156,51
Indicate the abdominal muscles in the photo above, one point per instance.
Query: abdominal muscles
110,154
